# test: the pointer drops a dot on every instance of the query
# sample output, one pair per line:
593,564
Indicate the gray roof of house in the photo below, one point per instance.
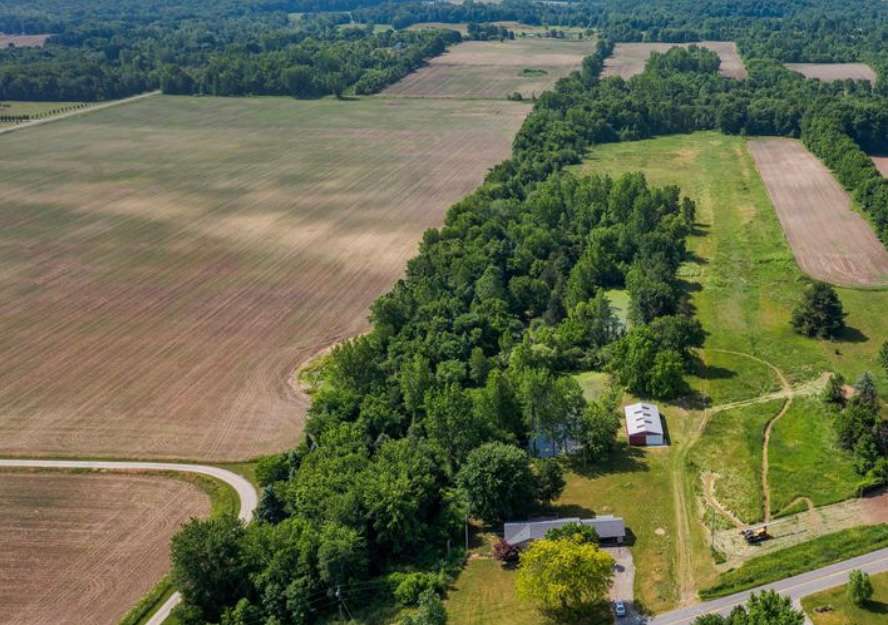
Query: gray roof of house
607,526
642,418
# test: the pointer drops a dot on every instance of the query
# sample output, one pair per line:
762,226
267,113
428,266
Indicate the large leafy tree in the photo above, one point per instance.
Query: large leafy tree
498,482
564,578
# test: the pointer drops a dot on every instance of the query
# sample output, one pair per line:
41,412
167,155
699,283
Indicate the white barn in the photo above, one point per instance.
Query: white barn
644,426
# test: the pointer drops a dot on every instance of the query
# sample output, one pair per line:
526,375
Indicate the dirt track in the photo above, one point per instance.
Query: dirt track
83,548
629,59
830,241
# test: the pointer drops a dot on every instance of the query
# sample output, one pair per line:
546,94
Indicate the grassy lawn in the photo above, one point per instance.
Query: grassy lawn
843,612
593,383
484,594
731,448
637,485
805,460
801,558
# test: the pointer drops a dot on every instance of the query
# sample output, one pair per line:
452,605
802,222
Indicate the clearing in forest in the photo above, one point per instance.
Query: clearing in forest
831,242
167,264
629,59
23,41
83,548
494,69
829,72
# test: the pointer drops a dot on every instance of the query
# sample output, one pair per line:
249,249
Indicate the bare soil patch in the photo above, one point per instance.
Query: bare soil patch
829,72
629,59
166,265
84,548
23,41
830,241
493,69
881,163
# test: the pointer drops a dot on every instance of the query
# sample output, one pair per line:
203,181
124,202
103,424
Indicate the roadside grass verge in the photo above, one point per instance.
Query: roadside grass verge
731,448
822,551
223,500
806,461
840,611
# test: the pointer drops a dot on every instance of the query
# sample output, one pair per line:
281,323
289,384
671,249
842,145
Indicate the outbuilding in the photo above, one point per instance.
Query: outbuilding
644,426
608,527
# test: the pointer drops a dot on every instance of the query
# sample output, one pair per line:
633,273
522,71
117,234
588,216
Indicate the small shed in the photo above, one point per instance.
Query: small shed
607,526
644,426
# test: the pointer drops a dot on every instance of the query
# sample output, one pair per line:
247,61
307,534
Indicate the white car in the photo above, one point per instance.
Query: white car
620,608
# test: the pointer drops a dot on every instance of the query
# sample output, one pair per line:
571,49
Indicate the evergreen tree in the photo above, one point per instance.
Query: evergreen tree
819,313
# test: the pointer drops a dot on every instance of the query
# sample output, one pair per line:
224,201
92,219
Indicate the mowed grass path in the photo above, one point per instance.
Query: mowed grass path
165,265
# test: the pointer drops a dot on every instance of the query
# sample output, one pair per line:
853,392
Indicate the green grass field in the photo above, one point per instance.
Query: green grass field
731,448
842,612
743,283
805,460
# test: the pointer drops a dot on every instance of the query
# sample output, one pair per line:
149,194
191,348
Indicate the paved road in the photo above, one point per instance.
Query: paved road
245,491
83,111
794,587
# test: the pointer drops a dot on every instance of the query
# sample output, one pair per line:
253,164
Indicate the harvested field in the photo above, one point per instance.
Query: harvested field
84,548
830,241
166,264
629,59
23,41
829,72
493,69
881,163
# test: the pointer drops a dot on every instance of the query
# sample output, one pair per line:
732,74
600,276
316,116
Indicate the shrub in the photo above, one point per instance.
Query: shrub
860,588
504,552
410,586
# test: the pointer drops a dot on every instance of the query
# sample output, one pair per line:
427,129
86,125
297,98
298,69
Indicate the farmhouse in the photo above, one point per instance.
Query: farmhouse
644,425
608,527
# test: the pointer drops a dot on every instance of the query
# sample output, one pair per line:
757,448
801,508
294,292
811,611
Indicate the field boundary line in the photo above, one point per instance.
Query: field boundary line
249,498
83,111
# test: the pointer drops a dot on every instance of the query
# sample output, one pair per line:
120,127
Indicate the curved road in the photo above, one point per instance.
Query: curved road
249,498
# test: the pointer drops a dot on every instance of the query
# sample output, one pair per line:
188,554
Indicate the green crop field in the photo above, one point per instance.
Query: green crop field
186,254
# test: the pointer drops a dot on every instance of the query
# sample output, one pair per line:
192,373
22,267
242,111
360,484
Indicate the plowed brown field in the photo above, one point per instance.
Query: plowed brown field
881,163
166,264
629,59
830,241
828,72
80,549
493,69
23,41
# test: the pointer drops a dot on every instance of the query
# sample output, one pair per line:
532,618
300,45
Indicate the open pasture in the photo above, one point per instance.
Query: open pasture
830,241
493,69
83,548
23,41
168,263
829,72
629,59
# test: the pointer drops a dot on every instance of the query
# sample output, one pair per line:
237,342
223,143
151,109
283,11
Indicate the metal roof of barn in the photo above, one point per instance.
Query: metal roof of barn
642,418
